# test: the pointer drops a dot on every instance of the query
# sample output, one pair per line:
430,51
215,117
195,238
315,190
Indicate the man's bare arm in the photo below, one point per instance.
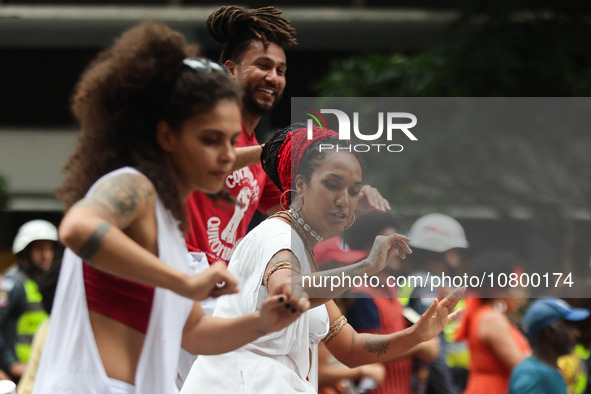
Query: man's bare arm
247,155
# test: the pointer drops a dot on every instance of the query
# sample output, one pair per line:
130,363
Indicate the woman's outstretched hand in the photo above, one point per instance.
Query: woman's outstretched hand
384,247
439,314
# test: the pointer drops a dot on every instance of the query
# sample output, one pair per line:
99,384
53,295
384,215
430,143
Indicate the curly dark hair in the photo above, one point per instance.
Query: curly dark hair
236,27
120,98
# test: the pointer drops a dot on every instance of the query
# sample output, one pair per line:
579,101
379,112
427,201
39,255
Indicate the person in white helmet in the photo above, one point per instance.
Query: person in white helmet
441,237
35,246
436,240
21,311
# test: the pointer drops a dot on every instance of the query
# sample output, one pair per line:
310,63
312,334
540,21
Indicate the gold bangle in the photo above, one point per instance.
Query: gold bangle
335,328
286,264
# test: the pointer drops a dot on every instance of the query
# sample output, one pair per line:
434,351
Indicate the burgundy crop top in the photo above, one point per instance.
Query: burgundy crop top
120,299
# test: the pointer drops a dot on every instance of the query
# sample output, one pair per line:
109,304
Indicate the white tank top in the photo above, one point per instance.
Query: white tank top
71,364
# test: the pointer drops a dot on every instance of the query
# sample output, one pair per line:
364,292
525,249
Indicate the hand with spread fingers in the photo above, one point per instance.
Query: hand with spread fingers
439,314
383,248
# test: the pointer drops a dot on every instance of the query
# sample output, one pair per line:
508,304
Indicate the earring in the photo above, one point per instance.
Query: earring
349,226
281,199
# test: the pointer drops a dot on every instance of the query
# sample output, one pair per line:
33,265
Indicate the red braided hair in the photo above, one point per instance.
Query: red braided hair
291,152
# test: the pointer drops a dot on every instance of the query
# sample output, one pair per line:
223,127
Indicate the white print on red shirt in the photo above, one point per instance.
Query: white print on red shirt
223,245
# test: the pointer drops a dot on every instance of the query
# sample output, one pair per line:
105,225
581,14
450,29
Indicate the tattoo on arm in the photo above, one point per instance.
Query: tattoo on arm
354,269
377,345
118,198
359,268
94,242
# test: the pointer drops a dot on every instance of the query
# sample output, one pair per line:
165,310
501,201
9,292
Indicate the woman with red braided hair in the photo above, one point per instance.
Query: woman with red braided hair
320,192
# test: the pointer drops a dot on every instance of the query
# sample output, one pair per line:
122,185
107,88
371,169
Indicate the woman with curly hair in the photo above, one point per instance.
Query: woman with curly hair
325,191
156,124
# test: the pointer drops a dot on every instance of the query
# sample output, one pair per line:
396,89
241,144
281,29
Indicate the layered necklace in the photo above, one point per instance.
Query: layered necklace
301,227
305,225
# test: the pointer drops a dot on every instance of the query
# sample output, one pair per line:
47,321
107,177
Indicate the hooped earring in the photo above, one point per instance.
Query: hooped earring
281,198
351,225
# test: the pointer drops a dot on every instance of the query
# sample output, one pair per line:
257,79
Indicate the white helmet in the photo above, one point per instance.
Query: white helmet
34,230
438,233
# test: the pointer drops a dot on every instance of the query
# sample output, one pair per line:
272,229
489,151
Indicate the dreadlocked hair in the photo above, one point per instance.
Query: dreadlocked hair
119,100
236,27
269,155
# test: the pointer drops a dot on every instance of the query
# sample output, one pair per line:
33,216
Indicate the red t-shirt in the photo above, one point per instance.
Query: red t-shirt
216,227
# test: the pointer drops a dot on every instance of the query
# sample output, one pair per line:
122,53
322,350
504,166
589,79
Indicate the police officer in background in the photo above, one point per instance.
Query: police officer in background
13,303
35,248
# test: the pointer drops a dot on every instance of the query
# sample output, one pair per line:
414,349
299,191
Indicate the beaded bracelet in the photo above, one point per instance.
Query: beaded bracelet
285,264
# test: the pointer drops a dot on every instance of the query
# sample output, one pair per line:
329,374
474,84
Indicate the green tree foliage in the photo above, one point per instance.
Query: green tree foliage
380,75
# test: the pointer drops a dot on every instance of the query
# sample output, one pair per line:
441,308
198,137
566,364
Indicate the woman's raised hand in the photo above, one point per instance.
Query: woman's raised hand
383,248
439,314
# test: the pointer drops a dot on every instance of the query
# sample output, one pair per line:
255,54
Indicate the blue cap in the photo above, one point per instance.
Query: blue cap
544,311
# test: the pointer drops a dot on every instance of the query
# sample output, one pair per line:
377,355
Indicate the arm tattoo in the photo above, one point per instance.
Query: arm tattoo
357,270
119,197
377,345
94,242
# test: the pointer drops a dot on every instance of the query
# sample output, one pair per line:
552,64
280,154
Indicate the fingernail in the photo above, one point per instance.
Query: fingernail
288,305
281,299
302,310
293,310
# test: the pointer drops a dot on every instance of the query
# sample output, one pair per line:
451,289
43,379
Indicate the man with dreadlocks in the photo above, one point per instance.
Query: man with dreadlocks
253,52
